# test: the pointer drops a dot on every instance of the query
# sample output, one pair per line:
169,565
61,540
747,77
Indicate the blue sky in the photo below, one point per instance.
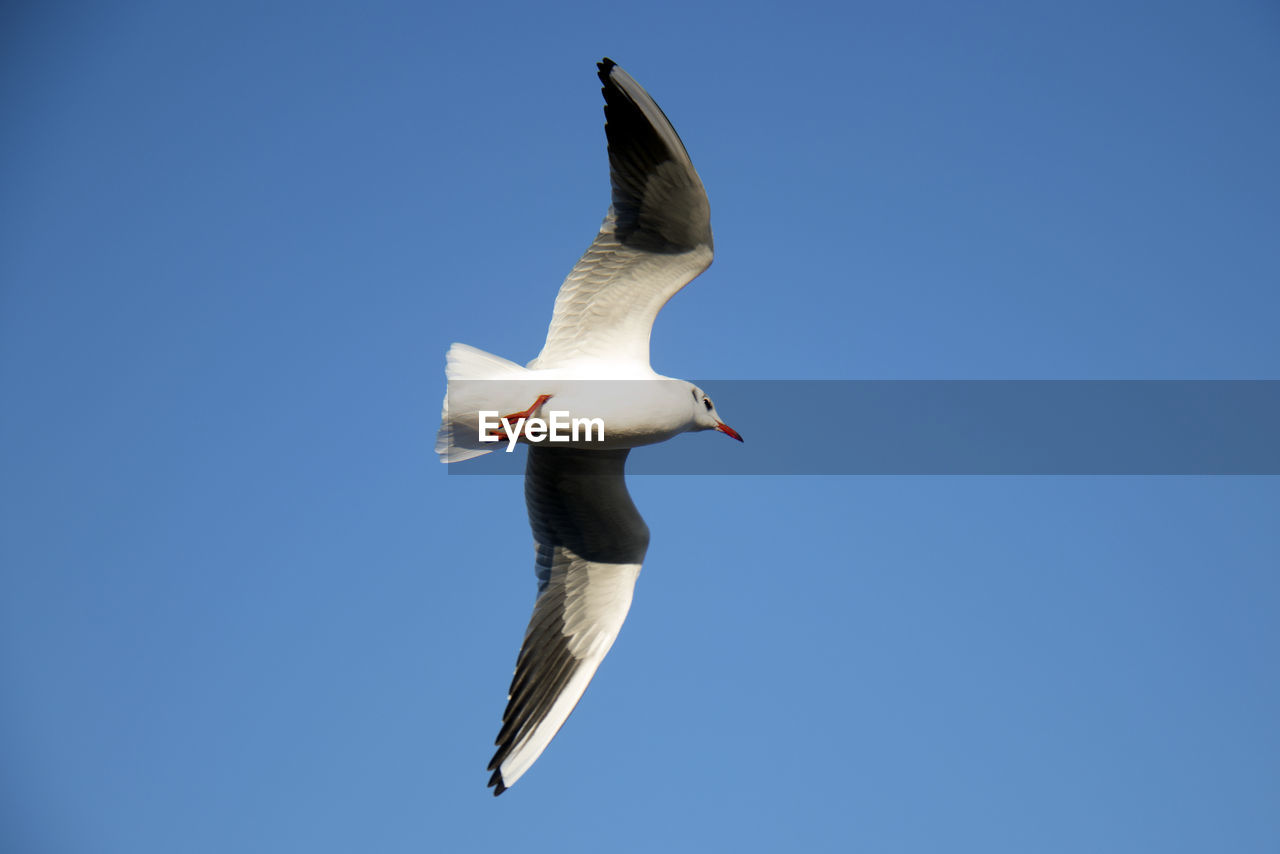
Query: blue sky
245,609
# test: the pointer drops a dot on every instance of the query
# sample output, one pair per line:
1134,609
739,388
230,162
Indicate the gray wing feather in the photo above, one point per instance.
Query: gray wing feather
591,543
655,239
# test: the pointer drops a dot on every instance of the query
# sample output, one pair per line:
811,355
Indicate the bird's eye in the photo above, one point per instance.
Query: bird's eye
707,401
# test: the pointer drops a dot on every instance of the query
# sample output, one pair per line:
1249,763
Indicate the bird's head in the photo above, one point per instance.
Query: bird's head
705,416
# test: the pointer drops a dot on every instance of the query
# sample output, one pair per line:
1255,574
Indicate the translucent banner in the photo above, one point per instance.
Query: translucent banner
1213,427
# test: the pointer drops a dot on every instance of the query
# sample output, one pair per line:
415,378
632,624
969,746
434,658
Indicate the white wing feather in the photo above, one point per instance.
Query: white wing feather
591,542
655,239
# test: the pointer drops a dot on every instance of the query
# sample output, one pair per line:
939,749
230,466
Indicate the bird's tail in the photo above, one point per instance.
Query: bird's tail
475,383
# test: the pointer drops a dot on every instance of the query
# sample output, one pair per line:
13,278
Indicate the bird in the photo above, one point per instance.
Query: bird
590,539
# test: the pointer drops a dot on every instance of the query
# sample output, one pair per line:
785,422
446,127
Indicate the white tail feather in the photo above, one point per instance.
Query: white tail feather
466,369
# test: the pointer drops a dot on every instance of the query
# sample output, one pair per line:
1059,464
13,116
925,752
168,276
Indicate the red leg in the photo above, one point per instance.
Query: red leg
516,418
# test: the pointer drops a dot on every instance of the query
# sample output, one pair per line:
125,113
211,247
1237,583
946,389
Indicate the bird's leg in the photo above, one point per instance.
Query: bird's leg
516,417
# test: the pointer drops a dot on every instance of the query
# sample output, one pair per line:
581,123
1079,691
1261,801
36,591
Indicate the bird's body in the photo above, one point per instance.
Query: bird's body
636,409
590,538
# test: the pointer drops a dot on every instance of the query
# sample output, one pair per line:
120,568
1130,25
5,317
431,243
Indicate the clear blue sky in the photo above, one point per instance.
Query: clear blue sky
244,609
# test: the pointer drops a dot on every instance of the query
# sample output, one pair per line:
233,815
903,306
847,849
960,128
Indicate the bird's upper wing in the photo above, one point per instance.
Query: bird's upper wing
591,542
655,240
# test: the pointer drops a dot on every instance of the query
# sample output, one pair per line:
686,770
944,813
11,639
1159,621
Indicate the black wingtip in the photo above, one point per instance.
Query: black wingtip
496,781
605,65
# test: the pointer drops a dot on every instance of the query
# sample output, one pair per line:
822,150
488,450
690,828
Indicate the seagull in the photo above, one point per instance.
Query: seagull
589,537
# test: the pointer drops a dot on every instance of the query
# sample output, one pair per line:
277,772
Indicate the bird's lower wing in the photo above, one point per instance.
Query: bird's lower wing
591,542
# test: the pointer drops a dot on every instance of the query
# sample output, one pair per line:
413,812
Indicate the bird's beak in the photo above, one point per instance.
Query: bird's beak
728,431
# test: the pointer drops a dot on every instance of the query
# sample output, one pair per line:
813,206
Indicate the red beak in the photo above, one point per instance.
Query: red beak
728,431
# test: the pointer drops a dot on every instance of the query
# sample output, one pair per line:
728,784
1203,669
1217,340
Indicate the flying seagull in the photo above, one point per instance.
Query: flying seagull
590,539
